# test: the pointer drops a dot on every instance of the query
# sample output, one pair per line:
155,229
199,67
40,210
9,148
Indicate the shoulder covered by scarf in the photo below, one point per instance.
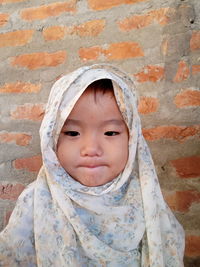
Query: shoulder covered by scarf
60,222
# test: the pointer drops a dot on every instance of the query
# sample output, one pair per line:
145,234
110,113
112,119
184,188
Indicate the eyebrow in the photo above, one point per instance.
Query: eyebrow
72,122
118,122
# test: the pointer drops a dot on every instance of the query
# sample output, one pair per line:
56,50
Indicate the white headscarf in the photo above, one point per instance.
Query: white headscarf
59,222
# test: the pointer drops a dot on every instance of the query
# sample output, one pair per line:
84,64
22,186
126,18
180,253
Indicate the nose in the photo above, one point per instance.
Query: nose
91,147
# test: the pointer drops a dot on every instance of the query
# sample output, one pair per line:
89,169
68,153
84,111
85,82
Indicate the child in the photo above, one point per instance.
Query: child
97,200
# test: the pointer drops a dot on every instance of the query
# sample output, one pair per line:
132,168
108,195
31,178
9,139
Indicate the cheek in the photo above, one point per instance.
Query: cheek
61,155
62,151
66,152
124,157
119,152
124,151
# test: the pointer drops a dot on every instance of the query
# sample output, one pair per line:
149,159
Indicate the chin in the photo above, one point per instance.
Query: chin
93,178
91,182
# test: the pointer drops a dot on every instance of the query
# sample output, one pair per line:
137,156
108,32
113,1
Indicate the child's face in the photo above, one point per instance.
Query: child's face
93,144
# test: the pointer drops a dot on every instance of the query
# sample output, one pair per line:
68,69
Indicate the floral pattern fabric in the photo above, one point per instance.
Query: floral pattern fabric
60,222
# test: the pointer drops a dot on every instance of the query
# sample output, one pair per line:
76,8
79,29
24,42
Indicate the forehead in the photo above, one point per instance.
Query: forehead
96,104
98,93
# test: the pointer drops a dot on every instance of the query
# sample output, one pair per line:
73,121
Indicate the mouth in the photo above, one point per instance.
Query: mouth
91,166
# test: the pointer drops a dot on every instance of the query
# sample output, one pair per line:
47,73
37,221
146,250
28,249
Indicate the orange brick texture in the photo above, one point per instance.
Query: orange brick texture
150,73
160,16
192,246
3,19
188,167
19,138
10,1
195,41
43,12
114,51
187,98
182,73
16,38
101,5
32,164
195,69
39,60
20,87
178,133
11,191
89,28
156,42
148,104
33,112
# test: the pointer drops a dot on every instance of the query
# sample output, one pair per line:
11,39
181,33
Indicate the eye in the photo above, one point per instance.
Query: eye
71,133
111,133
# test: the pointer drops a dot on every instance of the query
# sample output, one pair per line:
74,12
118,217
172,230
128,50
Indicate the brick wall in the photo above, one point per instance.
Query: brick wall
156,41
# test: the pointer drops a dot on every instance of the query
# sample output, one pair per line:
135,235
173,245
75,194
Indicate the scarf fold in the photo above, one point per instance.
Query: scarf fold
59,222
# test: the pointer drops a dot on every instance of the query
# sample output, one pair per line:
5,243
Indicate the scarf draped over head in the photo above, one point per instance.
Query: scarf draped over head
59,222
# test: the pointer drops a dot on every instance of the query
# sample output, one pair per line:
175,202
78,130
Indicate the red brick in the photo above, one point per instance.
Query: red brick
123,50
89,28
20,87
38,60
135,22
54,33
192,246
178,133
182,73
45,11
11,191
16,38
148,105
187,98
90,53
33,112
32,164
195,69
182,200
160,16
101,5
188,167
150,74
20,139
11,1
3,19
115,51
195,41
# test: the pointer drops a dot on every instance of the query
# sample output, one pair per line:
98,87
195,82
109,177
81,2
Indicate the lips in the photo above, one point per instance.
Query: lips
91,165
